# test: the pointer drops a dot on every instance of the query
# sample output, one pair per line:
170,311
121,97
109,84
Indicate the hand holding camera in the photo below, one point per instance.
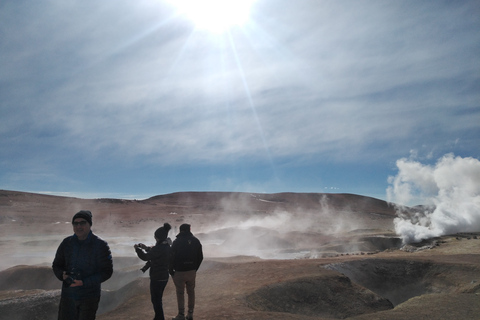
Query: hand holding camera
140,246
71,279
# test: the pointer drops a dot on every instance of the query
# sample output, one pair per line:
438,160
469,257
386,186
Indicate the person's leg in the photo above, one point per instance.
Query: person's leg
190,284
67,309
179,281
156,294
87,309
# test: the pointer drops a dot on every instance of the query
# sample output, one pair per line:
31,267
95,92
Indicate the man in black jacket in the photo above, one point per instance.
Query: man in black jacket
82,262
186,255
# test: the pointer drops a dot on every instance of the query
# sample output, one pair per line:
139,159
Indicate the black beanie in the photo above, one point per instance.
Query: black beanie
162,232
84,214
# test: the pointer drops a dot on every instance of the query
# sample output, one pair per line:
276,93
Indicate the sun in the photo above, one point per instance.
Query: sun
215,15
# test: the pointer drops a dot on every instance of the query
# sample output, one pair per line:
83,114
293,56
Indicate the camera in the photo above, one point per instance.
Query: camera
146,267
72,276
141,246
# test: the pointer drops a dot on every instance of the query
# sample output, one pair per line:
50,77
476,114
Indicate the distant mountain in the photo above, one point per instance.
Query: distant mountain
198,207
199,201
266,202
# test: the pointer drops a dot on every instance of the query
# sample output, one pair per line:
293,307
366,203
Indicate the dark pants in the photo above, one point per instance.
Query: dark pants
156,292
71,309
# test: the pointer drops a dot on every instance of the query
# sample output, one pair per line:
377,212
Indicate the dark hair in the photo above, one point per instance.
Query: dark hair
185,227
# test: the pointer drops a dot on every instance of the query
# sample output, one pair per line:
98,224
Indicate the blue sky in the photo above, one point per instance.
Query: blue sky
131,99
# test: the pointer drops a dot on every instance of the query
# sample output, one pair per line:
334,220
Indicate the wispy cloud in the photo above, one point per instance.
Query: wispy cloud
348,82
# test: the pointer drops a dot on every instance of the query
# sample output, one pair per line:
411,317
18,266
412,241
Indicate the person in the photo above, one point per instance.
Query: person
157,261
186,255
82,262
148,263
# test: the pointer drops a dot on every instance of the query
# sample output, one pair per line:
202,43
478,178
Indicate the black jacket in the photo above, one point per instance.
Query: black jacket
89,260
158,258
186,253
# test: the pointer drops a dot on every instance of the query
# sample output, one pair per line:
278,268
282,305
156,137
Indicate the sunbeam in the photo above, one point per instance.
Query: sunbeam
250,100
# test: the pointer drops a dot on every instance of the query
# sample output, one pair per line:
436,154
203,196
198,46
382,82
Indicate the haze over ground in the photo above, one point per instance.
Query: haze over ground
328,256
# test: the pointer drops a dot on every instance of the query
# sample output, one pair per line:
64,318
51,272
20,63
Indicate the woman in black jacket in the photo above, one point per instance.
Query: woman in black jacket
157,257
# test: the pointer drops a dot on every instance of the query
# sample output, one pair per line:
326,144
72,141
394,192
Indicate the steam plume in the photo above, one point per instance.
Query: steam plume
451,191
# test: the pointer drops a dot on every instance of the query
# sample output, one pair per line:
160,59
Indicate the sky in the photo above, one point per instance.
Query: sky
132,99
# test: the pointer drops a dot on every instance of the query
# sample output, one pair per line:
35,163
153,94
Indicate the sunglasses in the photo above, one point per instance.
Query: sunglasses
79,223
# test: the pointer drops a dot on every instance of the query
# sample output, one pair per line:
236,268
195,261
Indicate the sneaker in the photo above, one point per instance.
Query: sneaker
179,317
189,317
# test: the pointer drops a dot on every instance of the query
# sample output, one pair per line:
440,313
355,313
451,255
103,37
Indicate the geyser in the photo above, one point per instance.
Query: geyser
451,193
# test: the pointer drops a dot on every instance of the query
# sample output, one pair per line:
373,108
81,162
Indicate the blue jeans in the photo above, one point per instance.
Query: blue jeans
156,292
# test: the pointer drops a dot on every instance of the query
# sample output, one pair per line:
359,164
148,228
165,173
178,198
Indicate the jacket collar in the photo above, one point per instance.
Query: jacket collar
89,236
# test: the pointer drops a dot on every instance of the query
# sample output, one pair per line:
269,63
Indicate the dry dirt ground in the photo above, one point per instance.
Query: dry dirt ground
344,261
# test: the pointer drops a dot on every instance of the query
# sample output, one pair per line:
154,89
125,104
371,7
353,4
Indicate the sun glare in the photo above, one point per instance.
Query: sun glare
215,15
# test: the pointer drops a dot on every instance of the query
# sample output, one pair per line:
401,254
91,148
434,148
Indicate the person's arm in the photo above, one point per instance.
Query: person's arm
105,265
142,251
58,264
171,260
199,255
145,253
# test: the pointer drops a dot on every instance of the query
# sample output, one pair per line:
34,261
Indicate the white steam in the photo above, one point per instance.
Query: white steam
450,190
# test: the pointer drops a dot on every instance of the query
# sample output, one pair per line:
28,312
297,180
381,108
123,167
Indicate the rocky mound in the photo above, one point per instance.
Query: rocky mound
29,305
112,299
399,280
28,278
330,297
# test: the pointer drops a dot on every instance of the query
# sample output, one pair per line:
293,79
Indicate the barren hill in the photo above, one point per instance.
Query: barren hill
201,208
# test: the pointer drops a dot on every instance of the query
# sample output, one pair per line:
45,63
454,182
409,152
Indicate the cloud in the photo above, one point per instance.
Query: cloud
338,82
451,189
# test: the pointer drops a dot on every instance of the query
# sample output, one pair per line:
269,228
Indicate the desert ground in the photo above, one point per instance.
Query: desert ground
267,256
